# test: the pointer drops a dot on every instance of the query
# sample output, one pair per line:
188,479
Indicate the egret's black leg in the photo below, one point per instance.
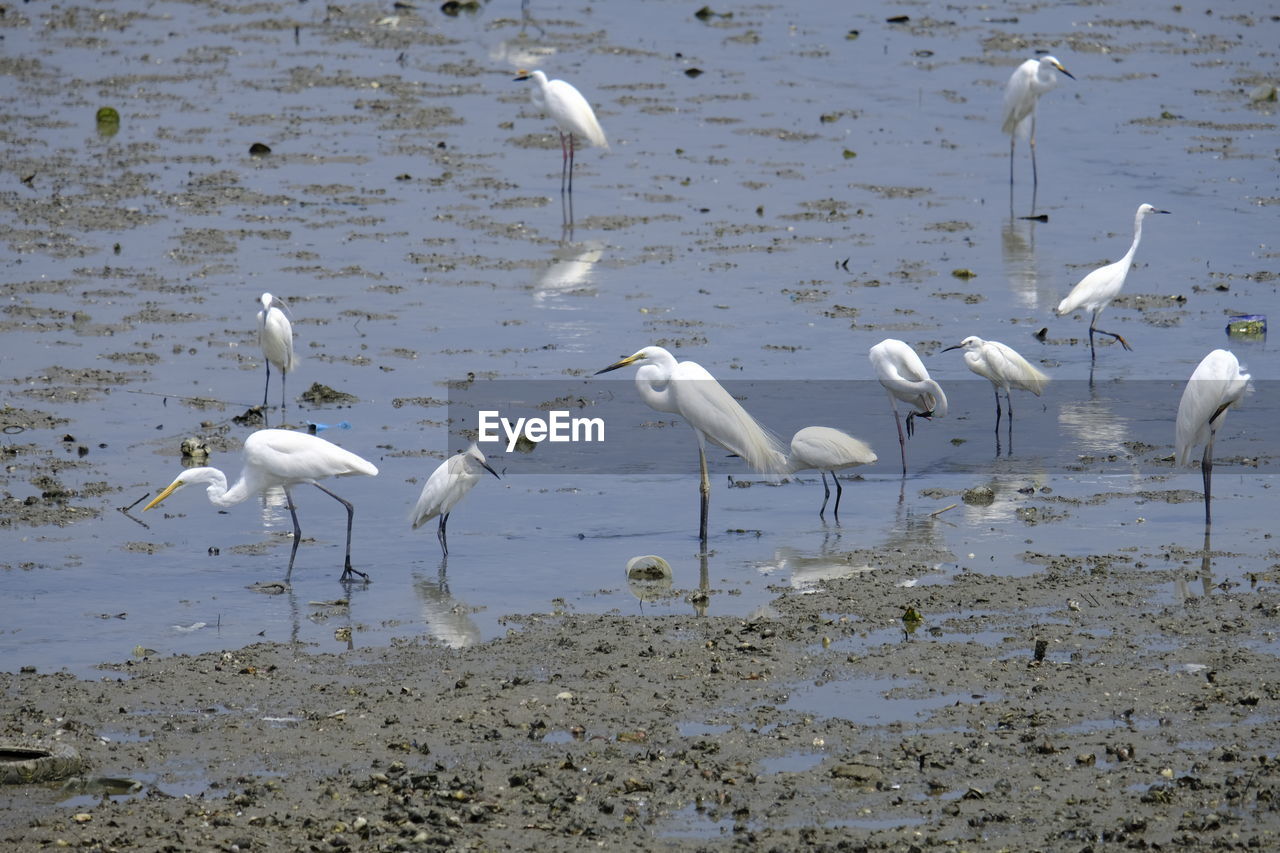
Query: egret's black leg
297,531
347,569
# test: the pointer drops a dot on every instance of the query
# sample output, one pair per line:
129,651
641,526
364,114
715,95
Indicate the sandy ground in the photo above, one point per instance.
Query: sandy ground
1143,727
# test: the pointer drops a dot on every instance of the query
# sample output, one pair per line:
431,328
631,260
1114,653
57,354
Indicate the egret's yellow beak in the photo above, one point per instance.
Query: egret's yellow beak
522,75
170,489
1065,71
631,359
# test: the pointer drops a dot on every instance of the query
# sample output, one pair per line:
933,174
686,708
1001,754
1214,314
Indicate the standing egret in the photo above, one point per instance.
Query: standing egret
1217,382
275,336
904,376
1095,291
280,457
1028,82
572,115
827,449
447,485
685,388
1004,367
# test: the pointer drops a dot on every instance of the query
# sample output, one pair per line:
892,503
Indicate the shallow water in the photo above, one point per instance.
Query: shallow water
409,214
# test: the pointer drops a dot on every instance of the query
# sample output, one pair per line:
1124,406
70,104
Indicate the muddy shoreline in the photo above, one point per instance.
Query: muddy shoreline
1143,726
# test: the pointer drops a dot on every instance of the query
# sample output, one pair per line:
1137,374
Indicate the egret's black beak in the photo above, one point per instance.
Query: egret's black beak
490,470
957,346
1162,211
522,75
1066,72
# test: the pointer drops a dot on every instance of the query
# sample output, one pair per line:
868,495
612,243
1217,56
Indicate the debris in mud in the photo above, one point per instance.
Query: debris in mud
108,122
195,449
648,567
322,395
980,496
251,417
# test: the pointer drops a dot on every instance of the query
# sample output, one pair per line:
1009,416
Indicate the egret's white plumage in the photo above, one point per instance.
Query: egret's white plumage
826,449
572,115
904,376
280,457
446,486
685,388
1022,93
1217,383
275,336
1003,367
1095,291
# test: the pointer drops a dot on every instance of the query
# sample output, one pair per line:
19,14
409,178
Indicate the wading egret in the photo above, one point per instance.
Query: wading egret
826,449
1095,291
685,388
275,336
447,485
572,116
1217,382
1003,366
280,457
904,376
1028,82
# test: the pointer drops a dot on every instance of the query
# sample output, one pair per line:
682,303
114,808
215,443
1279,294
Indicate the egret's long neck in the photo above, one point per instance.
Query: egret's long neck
1137,238
220,495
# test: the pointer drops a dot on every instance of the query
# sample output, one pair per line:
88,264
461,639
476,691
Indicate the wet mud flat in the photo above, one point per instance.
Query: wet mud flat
1138,724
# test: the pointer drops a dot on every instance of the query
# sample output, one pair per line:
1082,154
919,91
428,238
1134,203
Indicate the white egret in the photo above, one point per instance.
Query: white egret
1028,82
1217,382
827,449
572,115
1004,367
275,336
280,457
1095,291
904,376
685,388
446,486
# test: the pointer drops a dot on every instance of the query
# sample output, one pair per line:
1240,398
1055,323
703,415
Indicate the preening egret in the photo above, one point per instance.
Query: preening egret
275,336
827,449
572,115
447,485
1003,366
1028,82
1217,382
280,457
904,376
1095,291
686,389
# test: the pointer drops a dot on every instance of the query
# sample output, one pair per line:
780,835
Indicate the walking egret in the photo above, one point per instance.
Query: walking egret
1022,93
572,115
446,486
827,449
1004,367
1095,291
1217,383
275,336
904,376
280,457
685,388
